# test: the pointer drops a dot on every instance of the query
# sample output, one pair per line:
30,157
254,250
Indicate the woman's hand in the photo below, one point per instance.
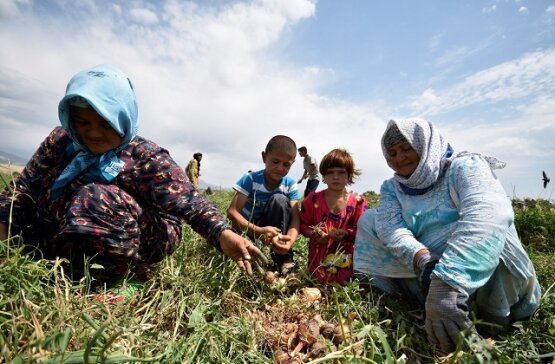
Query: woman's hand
424,266
447,315
241,251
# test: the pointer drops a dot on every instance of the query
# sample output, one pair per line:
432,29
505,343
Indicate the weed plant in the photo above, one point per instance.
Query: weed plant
196,309
535,223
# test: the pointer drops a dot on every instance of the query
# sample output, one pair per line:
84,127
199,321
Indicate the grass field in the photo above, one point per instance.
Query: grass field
5,169
198,308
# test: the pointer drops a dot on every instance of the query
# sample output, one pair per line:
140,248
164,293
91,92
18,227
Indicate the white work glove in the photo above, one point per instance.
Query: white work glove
446,314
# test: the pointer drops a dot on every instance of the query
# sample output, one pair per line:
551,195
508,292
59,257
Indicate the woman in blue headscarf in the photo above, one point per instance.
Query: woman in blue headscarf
96,188
444,234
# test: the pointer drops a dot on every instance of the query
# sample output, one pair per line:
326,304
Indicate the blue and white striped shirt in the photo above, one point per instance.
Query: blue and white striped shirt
252,185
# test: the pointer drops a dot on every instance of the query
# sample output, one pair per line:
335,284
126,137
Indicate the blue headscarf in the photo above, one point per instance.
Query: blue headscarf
110,93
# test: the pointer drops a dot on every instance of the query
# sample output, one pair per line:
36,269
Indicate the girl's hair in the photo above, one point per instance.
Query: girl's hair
339,158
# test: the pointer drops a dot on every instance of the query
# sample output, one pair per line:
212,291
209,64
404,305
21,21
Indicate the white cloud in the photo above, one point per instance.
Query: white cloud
434,42
489,9
530,74
10,8
550,9
144,16
452,58
525,143
523,10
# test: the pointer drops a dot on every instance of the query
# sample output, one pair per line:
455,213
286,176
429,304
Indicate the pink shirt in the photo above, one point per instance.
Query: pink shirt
314,210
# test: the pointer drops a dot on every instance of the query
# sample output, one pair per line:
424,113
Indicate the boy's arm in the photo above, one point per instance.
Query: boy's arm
286,242
293,230
305,174
242,224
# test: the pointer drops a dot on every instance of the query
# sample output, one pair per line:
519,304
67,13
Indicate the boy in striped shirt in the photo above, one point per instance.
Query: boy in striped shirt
265,205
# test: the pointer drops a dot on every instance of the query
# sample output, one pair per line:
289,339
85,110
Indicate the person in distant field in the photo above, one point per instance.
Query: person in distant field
444,234
95,188
329,219
193,169
265,205
310,167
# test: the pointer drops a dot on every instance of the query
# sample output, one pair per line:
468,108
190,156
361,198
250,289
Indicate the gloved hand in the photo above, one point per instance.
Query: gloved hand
446,314
424,267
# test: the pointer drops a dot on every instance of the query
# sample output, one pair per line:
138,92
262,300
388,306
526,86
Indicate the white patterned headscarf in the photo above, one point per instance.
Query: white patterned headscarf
430,146
434,151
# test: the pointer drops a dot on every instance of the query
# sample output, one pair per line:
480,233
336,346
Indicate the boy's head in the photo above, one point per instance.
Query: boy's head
339,158
303,151
281,143
278,157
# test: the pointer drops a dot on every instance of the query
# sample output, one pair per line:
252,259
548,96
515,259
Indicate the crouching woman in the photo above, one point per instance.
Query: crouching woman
444,234
96,188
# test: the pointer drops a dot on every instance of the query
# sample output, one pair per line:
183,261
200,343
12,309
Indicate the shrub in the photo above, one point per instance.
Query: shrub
535,223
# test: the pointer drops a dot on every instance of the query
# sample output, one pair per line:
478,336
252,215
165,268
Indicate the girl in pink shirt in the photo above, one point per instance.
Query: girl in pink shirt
329,219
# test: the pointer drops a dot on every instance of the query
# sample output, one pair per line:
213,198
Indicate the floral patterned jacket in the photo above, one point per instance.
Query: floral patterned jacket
150,175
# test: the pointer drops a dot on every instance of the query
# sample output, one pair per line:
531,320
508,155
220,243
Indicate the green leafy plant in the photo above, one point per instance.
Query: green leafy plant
535,223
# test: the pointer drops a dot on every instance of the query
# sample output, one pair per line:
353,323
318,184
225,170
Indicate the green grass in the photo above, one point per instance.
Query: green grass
198,308
5,178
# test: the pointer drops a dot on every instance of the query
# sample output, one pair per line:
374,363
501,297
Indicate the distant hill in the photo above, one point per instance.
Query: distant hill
8,158
204,185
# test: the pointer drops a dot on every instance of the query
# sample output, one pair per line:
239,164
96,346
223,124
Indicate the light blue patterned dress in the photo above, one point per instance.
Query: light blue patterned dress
465,220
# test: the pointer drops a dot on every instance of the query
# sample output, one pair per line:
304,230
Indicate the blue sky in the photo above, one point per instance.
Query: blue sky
222,77
413,44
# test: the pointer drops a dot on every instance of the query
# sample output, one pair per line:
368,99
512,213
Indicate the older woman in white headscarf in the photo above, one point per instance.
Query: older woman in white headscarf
444,234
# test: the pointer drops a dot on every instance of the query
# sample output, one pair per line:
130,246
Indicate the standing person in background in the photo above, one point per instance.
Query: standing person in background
310,171
193,169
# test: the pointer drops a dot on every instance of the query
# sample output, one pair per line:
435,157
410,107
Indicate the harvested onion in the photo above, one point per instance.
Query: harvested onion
311,294
269,277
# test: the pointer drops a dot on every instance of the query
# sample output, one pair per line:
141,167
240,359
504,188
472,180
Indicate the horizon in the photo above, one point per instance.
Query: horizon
203,185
